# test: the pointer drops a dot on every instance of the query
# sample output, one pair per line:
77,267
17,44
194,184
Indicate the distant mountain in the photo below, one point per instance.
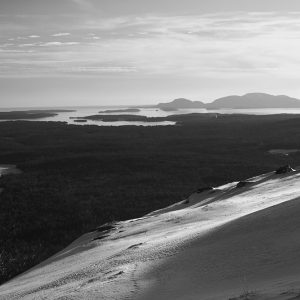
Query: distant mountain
181,103
255,100
251,100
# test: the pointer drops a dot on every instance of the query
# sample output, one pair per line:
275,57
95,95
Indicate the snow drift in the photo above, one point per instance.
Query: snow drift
232,242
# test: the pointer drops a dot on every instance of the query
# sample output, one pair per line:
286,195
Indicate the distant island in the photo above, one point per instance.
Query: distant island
116,118
251,100
168,109
30,114
181,103
127,110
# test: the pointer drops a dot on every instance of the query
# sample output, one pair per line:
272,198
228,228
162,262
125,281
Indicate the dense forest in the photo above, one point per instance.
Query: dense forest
75,178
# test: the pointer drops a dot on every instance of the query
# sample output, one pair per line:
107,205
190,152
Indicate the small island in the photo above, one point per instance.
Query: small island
127,110
116,118
80,120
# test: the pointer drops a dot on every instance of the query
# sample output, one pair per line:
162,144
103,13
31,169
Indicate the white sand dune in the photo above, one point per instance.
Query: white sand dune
221,245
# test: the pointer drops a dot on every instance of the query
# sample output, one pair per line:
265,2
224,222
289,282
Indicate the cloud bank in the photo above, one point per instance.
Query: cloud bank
208,45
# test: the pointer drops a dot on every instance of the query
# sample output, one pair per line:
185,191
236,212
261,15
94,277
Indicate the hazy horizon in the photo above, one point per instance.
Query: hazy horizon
101,53
123,105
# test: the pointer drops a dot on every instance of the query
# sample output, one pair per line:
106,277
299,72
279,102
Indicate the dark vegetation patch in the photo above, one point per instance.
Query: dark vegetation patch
204,189
101,237
106,227
284,169
76,178
242,184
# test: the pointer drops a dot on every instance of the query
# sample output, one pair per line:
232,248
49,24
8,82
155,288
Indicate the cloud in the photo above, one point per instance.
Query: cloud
5,45
27,45
61,34
93,38
58,44
47,44
34,36
102,69
211,45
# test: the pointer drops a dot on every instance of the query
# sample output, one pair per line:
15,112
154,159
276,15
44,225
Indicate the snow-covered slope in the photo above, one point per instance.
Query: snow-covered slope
219,244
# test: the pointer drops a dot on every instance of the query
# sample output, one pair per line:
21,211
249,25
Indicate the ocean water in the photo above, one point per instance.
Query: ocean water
144,111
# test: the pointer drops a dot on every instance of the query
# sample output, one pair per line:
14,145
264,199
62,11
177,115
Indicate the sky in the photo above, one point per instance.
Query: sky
118,52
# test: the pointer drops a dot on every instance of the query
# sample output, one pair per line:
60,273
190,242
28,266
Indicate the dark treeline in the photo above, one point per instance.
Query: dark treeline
78,177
